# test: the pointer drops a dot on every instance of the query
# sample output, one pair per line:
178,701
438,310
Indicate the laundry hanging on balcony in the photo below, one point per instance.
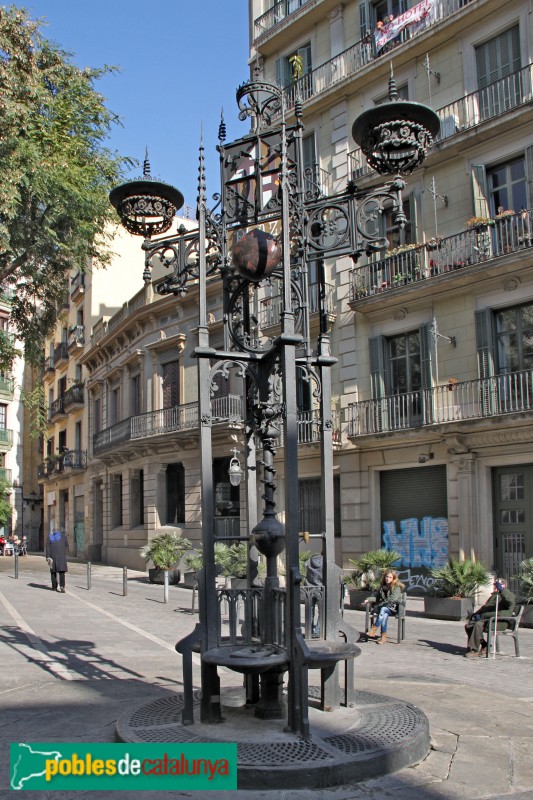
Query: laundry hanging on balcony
415,16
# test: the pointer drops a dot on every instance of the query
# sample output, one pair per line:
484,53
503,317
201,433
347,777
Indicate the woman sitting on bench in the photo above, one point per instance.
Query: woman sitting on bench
386,602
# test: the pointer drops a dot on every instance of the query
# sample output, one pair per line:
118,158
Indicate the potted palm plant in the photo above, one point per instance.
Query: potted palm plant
367,574
193,563
453,589
165,550
233,561
525,593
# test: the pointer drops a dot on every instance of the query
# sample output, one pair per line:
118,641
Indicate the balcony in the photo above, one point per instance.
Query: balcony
482,398
6,475
7,387
76,339
77,286
57,408
75,459
49,364
74,397
271,307
493,101
6,439
275,15
60,354
426,262
346,65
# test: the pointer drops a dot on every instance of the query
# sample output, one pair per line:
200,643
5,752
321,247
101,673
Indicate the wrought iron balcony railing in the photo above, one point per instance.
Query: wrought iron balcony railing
76,338
6,438
75,459
7,387
77,285
75,396
473,246
465,113
345,65
510,393
60,353
57,407
275,15
271,307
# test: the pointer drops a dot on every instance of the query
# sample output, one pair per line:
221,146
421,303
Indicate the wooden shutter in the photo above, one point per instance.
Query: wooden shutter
171,384
529,176
485,357
427,373
364,18
479,188
379,383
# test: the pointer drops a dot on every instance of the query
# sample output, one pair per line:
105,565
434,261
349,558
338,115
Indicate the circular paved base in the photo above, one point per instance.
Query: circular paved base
380,735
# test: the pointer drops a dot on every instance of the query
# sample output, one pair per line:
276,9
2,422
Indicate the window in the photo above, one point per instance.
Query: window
397,236
498,62
175,484
285,66
115,405
137,498
514,338
310,506
135,395
62,442
171,384
403,94
3,416
506,185
116,501
97,415
77,436
400,370
61,387
505,358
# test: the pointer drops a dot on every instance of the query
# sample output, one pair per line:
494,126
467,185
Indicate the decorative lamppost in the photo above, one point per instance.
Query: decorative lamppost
267,229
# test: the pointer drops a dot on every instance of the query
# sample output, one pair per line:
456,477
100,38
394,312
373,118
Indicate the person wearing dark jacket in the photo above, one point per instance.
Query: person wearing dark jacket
501,599
56,555
386,602
313,577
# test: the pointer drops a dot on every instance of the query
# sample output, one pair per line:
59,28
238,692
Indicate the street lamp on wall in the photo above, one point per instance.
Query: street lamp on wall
235,470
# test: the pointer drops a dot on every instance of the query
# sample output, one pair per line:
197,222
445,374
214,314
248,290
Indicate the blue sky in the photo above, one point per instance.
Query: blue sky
181,62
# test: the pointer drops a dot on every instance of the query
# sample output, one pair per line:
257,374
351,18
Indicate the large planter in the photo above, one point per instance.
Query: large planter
449,608
239,583
357,598
189,580
156,575
527,617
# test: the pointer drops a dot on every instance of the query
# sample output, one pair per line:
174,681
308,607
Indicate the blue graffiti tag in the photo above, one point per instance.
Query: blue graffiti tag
424,545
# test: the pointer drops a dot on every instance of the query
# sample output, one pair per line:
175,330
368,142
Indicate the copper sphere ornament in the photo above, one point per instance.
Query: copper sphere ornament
257,255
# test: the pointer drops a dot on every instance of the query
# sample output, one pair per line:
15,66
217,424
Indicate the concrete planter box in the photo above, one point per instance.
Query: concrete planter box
156,575
357,598
189,579
527,617
449,608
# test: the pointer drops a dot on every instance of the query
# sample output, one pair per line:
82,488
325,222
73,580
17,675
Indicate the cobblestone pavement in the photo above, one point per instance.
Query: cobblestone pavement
73,663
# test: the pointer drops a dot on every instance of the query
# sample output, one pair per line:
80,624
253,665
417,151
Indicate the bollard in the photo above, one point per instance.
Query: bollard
165,586
88,575
16,557
124,581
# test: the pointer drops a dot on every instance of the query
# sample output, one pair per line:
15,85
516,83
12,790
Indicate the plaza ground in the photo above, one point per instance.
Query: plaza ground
73,663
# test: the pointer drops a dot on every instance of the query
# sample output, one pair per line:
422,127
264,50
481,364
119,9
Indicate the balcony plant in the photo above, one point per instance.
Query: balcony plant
505,213
165,551
451,384
525,591
367,573
479,223
454,587
434,243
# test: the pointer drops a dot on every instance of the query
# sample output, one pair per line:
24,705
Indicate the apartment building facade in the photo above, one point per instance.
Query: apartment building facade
432,334
432,389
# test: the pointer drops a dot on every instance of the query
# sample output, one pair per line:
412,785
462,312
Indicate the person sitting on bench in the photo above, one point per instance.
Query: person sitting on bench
386,602
501,599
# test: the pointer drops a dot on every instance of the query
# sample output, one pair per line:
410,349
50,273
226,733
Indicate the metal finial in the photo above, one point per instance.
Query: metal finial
222,128
146,165
393,91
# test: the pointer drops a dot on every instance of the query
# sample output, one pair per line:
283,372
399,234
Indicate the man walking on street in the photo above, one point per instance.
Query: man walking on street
502,600
56,555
